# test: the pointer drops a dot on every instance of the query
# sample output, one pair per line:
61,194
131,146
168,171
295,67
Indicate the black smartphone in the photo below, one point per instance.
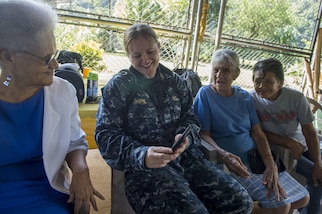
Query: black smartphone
177,144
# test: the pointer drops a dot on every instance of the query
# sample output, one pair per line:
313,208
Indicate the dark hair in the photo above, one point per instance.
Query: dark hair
138,30
270,65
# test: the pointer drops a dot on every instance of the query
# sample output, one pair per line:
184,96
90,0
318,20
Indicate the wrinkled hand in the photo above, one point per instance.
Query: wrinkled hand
271,181
317,174
297,149
234,164
160,156
82,192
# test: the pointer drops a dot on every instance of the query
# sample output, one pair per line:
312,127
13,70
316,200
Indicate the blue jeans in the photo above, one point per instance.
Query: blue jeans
304,167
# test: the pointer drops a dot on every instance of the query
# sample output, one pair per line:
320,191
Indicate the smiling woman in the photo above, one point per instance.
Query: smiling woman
142,112
41,137
287,120
230,124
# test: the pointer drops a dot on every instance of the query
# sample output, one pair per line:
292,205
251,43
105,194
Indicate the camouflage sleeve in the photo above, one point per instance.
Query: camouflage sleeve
119,150
187,114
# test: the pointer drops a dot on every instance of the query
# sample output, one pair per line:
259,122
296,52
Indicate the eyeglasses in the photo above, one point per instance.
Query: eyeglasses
47,59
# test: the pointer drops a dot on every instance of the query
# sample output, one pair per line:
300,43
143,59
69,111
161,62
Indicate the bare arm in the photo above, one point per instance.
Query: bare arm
263,146
270,176
233,162
81,189
295,147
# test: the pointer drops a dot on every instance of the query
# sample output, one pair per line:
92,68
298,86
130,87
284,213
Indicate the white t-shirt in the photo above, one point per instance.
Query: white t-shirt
285,115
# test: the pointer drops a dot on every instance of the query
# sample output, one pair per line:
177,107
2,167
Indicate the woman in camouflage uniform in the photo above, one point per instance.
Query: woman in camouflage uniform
142,112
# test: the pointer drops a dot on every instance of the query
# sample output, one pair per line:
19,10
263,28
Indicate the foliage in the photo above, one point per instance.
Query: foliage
213,15
141,10
111,41
91,53
176,13
81,40
257,18
305,16
65,36
168,12
283,22
69,35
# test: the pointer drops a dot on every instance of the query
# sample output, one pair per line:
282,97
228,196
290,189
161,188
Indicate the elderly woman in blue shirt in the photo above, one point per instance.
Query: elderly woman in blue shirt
40,135
229,122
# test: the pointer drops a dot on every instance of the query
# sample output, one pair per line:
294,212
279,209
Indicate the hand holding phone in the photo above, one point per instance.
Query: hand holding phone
177,144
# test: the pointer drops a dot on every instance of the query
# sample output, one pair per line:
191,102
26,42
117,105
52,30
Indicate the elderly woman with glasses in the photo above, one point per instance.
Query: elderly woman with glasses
40,127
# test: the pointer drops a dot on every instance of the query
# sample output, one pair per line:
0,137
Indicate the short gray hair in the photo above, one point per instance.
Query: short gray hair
226,56
24,22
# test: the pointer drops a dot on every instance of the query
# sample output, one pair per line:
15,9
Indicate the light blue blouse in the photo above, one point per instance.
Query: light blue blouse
229,119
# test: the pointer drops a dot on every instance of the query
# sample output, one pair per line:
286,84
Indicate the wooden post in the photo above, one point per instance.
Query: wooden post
317,63
309,78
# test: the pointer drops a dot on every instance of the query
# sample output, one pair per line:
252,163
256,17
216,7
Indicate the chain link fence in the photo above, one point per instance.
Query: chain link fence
103,25
255,29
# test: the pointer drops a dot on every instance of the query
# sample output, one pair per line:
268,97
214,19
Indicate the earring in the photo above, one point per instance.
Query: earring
6,83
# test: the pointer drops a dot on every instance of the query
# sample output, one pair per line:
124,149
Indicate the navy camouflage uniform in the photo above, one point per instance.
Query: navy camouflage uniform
135,113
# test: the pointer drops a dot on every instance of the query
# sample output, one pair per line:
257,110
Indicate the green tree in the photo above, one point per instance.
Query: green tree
257,18
306,13
176,13
138,10
82,40
212,15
